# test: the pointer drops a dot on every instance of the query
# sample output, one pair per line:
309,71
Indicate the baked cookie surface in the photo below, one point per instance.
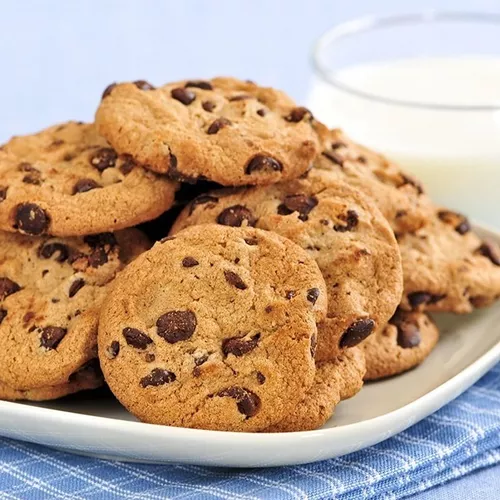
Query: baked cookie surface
404,343
68,181
85,378
447,267
223,130
51,290
214,328
340,228
398,195
334,381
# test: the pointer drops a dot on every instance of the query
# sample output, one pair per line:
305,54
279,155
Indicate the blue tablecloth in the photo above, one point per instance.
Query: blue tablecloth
462,437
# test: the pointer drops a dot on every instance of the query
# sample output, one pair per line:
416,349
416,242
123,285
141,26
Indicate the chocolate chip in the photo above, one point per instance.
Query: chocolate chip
3,193
261,112
189,262
98,258
334,157
218,124
298,114
136,338
8,287
351,221
260,163
241,97
174,174
199,84
113,349
251,241
408,331
261,378
235,215
47,250
233,279
84,185
107,90
338,145
416,299
298,203
248,402
52,336
175,326
103,158
158,377
28,317
357,332
406,180
150,357
27,167
268,309
290,294
208,106
459,222
101,240
314,343
238,346
143,85
75,287
490,251
3,314
183,95
312,295
31,219
128,164
202,200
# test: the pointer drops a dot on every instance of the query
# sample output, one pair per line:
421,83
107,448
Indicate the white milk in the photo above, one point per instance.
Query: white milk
455,153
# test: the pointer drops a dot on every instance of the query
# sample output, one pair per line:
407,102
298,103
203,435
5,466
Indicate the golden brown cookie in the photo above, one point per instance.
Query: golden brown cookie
447,267
51,290
398,195
404,343
341,228
335,381
223,130
67,181
87,377
201,330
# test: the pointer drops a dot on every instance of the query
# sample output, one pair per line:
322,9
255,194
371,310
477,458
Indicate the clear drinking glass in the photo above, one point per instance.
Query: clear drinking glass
425,90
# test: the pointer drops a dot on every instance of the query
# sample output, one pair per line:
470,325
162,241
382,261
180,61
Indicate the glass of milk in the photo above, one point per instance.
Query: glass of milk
425,90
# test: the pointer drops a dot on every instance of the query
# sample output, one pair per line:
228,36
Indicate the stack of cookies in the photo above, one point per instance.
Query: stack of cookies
227,261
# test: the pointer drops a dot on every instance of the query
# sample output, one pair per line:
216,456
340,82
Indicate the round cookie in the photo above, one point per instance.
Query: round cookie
67,181
51,290
399,196
201,330
223,130
404,343
335,381
344,231
86,378
447,267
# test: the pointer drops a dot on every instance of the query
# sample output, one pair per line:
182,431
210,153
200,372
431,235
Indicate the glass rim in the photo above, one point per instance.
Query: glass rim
372,23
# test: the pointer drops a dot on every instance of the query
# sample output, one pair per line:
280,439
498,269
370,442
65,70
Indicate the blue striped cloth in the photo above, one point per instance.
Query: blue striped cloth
458,439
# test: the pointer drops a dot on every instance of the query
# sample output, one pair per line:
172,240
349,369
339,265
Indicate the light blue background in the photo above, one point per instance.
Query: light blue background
56,57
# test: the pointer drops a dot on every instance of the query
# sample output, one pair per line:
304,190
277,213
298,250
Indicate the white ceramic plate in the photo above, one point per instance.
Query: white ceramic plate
96,424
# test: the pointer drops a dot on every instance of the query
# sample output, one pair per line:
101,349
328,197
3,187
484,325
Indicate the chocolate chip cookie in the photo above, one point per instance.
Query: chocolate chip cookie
344,231
87,377
51,290
214,328
68,181
404,343
223,130
335,381
399,196
447,267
